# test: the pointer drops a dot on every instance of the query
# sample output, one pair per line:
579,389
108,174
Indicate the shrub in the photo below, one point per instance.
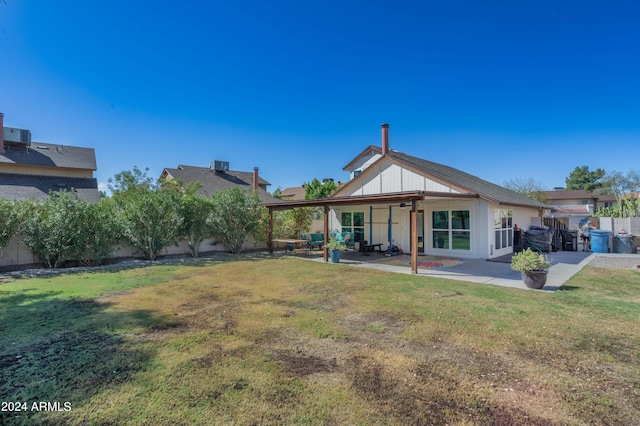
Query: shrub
236,214
149,219
529,260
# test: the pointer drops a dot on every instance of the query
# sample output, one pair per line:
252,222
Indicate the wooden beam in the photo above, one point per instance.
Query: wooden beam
414,237
270,231
326,232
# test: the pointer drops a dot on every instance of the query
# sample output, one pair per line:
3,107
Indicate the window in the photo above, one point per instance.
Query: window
353,222
503,225
451,229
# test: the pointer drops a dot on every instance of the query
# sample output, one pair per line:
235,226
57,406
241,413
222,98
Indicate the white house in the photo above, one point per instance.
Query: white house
457,214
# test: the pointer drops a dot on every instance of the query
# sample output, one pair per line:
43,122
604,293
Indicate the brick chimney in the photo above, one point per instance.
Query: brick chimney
255,178
385,139
1,133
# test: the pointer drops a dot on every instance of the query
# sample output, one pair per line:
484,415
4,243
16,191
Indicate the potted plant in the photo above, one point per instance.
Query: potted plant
533,266
335,246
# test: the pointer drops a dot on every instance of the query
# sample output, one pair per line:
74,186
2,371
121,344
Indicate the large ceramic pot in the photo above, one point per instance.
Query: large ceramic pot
534,279
334,255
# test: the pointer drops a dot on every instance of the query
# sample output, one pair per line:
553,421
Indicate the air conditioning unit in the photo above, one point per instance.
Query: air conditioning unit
220,166
17,136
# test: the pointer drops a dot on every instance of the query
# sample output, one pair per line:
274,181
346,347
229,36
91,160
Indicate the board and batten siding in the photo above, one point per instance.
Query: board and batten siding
388,177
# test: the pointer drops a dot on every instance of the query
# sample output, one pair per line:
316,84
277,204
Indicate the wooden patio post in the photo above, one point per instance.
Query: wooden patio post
414,237
270,231
326,232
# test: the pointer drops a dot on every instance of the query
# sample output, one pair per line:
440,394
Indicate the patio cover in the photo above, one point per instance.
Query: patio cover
327,203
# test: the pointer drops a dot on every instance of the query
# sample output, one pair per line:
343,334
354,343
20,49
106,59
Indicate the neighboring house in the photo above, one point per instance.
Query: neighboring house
218,177
295,193
33,169
458,214
575,204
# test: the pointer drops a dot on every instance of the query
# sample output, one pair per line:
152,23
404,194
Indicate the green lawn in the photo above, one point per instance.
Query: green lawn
287,341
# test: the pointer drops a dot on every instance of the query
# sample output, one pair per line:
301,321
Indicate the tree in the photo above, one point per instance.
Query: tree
315,189
291,223
621,183
129,180
277,193
528,187
236,214
583,178
149,219
625,187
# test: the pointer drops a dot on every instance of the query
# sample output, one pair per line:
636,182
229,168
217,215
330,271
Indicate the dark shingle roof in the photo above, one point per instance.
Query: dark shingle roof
576,194
293,193
213,181
483,188
50,155
24,187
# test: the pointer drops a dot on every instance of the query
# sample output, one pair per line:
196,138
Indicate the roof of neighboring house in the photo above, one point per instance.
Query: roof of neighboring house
576,194
569,210
50,155
213,181
23,187
293,193
483,188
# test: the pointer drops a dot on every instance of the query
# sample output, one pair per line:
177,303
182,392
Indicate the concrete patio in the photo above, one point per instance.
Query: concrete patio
565,264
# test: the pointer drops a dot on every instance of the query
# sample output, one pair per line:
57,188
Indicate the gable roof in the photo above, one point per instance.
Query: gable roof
51,155
213,181
23,187
485,189
576,194
482,188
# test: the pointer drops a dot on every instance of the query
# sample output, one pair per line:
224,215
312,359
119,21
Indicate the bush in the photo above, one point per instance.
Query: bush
11,219
236,214
52,227
149,219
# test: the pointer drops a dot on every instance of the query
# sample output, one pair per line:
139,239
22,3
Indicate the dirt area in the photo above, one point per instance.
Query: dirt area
629,261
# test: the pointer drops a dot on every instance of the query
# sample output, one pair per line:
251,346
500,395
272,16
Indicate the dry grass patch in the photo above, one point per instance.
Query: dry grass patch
273,341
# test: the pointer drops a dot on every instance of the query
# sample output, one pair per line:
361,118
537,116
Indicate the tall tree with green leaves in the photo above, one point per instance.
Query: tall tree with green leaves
129,180
585,179
316,189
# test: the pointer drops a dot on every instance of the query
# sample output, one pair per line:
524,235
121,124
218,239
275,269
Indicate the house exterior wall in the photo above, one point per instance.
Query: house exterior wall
363,164
481,216
22,169
389,177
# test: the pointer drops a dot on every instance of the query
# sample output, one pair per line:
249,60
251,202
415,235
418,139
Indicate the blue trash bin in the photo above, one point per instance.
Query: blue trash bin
600,241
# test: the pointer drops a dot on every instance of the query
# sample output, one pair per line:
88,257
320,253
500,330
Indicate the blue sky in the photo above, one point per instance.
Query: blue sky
500,89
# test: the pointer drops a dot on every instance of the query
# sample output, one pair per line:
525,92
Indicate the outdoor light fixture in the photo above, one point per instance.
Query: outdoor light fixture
403,206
